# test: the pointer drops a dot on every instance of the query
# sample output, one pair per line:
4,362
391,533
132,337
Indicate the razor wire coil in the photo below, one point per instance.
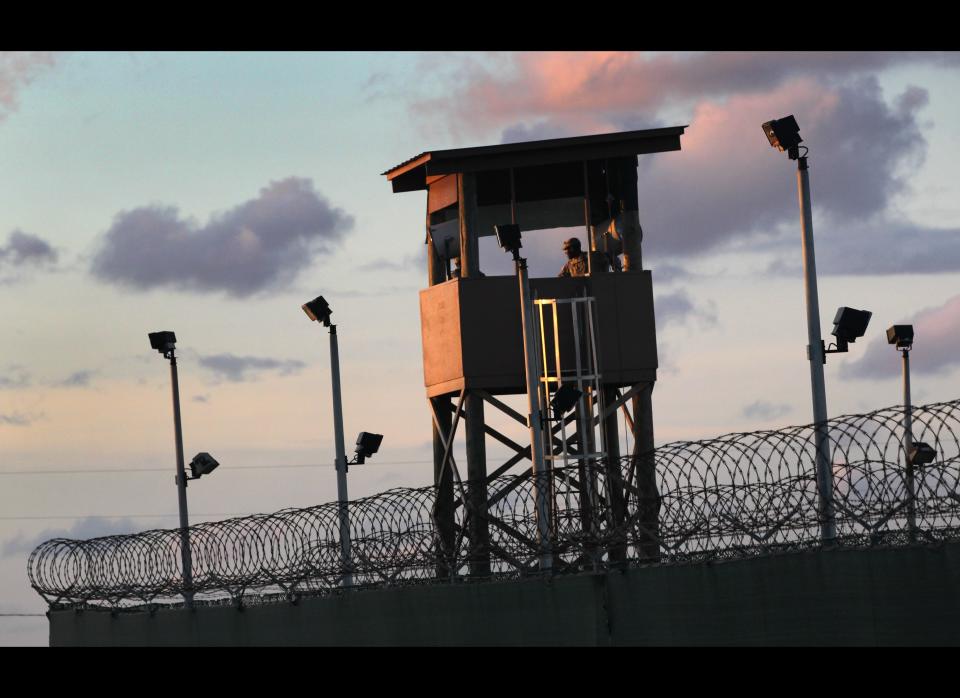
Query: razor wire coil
737,495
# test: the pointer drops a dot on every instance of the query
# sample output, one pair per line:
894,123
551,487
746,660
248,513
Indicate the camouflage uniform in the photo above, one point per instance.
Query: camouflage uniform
578,266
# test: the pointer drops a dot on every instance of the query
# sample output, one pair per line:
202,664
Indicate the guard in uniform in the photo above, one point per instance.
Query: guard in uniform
577,264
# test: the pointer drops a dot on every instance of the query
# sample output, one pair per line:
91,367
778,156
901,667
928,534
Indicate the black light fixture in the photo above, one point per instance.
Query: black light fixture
901,335
318,310
367,445
784,135
849,324
202,464
508,237
164,341
564,399
921,453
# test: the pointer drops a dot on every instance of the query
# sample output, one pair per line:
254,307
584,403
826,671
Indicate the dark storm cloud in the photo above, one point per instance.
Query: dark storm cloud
242,368
23,249
257,246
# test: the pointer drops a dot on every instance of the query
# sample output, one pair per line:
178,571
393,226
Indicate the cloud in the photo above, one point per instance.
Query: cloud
78,379
677,308
667,273
25,249
14,377
81,530
380,292
240,368
17,419
586,90
726,189
201,398
17,70
405,263
936,338
538,131
766,411
887,246
257,246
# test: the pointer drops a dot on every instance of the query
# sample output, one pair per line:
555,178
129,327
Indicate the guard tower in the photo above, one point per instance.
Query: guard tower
595,332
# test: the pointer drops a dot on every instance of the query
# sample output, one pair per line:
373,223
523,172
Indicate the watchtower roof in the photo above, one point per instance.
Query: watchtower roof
415,173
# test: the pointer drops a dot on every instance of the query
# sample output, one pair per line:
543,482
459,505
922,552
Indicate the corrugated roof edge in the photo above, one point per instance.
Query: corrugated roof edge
545,144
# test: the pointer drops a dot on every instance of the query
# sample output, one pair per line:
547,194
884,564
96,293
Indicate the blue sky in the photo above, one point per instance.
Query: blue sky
188,141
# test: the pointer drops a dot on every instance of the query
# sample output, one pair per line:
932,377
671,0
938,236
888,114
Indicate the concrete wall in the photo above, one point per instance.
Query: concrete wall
905,596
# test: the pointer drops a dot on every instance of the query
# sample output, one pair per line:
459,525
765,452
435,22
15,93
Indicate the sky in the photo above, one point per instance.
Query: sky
212,194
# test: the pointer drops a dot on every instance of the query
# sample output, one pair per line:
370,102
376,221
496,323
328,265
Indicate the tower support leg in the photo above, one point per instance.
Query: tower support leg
476,511
443,480
614,481
648,498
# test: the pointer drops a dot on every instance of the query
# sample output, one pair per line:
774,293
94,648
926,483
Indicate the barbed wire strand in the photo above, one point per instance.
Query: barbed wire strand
734,496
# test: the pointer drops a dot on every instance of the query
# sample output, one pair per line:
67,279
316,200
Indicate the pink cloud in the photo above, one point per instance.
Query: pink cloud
726,180
489,93
17,70
936,338
726,185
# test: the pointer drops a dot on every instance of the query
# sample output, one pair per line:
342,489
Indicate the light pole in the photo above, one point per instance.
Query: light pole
203,463
902,337
508,236
165,343
319,310
784,135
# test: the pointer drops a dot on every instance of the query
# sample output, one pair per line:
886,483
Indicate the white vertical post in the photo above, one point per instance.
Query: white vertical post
907,447
341,462
185,556
815,352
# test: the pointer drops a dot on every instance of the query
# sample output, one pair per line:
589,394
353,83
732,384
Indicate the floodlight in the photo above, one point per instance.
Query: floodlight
162,341
564,399
849,324
367,445
508,237
446,238
203,464
922,453
784,134
318,310
901,335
